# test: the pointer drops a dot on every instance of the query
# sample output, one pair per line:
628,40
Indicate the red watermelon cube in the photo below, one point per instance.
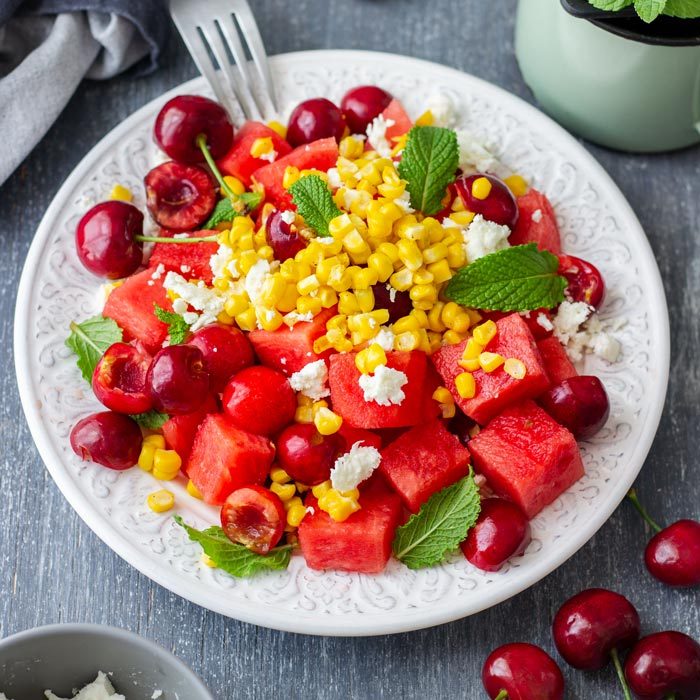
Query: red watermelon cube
348,398
191,260
289,349
496,390
131,305
319,155
422,461
527,457
536,223
179,431
362,543
365,437
556,361
402,122
224,458
238,161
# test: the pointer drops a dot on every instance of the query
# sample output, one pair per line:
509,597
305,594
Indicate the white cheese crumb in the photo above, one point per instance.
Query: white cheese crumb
570,316
233,270
270,156
294,317
151,283
392,293
99,689
158,272
404,203
185,268
220,260
209,301
283,361
376,135
537,216
311,380
334,181
310,510
442,108
483,237
180,306
354,467
385,338
475,158
288,216
544,322
255,279
157,694
605,346
581,331
384,386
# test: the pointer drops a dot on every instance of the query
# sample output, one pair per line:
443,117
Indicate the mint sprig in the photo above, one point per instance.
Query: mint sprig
314,202
233,558
226,211
89,340
610,5
178,328
649,10
429,164
439,526
684,9
150,420
521,278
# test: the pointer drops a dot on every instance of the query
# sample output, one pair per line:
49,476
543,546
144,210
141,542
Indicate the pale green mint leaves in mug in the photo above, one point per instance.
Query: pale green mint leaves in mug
649,10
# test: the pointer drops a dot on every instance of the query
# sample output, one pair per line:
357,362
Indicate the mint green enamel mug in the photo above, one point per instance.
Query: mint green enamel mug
614,82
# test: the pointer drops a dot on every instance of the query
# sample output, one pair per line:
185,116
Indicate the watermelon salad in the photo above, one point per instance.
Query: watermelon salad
355,336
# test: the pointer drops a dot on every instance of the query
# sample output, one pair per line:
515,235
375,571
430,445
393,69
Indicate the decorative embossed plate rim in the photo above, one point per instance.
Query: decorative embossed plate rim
597,223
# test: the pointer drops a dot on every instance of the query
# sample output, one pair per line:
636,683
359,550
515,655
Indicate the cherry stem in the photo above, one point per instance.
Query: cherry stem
502,695
167,239
620,674
202,143
632,495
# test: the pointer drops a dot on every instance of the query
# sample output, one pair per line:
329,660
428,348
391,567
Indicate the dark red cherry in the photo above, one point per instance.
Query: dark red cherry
498,206
110,439
673,555
579,404
664,665
593,624
461,426
585,283
284,237
119,379
397,303
183,119
105,239
177,379
179,197
502,531
362,104
315,119
306,455
522,672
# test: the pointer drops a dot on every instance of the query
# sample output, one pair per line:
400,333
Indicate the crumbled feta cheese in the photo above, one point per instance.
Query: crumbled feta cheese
220,260
209,301
404,203
270,156
311,380
288,216
580,331
190,318
334,181
294,317
376,135
157,694
537,216
350,196
354,467
310,510
151,283
180,306
158,272
385,338
442,108
255,279
392,293
283,361
99,689
474,157
570,316
544,322
605,346
233,270
483,237
450,223
185,269
384,386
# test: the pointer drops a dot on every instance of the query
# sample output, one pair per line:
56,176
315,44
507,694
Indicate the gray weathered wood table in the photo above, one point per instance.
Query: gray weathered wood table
53,569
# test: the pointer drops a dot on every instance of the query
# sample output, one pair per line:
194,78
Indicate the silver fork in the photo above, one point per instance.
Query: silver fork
213,28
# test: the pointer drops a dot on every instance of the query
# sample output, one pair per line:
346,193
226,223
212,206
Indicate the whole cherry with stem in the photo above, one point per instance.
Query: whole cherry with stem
672,555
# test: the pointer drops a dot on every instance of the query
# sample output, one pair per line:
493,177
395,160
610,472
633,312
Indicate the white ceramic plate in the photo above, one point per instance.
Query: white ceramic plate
597,224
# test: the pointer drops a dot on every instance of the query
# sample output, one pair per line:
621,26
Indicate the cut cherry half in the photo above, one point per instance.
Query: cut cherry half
254,517
585,283
119,379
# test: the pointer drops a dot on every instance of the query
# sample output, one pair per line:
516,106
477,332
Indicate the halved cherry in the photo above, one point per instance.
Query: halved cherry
179,197
498,205
254,517
119,379
306,455
585,283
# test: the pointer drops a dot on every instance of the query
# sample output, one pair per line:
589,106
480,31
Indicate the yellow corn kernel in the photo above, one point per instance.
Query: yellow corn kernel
363,278
338,505
463,218
351,147
423,293
390,250
304,414
451,337
208,561
166,461
422,276
292,502
456,257
402,280
121,193
406,323
490,361
449,313
435,253
269,319
247,320
515,368
357,247
193,491
443,395
381,215
327,422
472,350
279,129
328,297
291,175
295,515
261,147
247,259
160,501
309,305
365,300
485,332
425,119
469,365
157,440
146,456
465,384
308,284
435,317
284,491
234,184
375,356
407,341
481,188
303,400
461,322
288,300
516,184
457,204
266,253
321,489
340,322
381,265
347,304
224,318
236,304
410,254
273,289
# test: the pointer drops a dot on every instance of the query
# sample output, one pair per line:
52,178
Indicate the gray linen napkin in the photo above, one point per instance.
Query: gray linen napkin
46,50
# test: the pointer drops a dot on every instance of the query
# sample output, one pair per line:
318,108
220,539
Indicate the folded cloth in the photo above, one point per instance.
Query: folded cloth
48,46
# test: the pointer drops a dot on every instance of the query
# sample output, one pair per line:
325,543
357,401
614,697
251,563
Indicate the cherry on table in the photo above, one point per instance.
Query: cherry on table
673,553
585,283
362,104
283,237
110,439
254,517
177,379
498,206
179,197
522,671
315,119
183,119
119,379
579,403
306,455
105,239
501,531
664,665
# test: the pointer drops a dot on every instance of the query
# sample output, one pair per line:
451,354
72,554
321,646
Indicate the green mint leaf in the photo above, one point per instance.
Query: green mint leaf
89,339
236,559
314,203
520,278
610,5
685,9
429,164
178,328
226,211
150,420
649,10
439,526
